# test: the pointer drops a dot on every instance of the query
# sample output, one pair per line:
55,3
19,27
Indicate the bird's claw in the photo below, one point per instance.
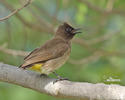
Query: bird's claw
60,79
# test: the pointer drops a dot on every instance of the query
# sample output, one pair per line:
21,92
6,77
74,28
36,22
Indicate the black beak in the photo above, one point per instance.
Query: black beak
75,31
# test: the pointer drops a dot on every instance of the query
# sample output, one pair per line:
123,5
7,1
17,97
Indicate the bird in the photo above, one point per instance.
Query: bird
54,53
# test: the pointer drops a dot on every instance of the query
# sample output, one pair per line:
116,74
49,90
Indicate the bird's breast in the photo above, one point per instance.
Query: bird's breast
54,64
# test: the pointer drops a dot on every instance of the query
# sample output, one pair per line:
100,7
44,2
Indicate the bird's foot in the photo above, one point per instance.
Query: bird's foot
59,78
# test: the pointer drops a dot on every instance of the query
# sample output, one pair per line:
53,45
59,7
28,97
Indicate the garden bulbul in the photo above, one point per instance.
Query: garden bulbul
54,53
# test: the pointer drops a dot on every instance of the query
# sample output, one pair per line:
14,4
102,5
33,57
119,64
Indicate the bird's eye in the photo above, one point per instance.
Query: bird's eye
68,29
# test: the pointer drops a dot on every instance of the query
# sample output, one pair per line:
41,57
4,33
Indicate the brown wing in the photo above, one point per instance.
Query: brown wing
51,50
31,53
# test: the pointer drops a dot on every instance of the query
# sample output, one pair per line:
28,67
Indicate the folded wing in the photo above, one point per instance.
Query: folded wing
45,53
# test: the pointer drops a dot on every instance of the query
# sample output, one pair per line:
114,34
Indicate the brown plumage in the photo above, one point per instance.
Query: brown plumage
54,52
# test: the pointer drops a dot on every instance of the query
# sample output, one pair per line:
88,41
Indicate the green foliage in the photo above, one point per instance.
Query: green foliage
81,11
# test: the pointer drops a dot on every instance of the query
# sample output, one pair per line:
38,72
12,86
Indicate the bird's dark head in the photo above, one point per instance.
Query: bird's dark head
67,31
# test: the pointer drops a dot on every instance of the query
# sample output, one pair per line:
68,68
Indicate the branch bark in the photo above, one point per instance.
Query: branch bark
67,89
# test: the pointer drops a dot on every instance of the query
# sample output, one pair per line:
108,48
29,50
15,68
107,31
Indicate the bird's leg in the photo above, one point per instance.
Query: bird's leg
59,78
57,75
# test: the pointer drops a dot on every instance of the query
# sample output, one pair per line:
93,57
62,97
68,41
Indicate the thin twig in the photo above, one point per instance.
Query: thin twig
41,10
13,52
101,10
88,59
46,26
28,24
15,11
103,38
92,6
96,56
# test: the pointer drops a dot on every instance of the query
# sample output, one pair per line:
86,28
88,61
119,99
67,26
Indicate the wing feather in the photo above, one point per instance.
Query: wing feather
46,52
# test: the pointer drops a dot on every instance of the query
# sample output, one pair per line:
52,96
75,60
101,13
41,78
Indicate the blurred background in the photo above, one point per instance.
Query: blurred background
98,54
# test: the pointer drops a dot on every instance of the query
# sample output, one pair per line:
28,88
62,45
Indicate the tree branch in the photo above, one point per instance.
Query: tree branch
67,89
102,10
104,37
15,11
24,21
13,52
